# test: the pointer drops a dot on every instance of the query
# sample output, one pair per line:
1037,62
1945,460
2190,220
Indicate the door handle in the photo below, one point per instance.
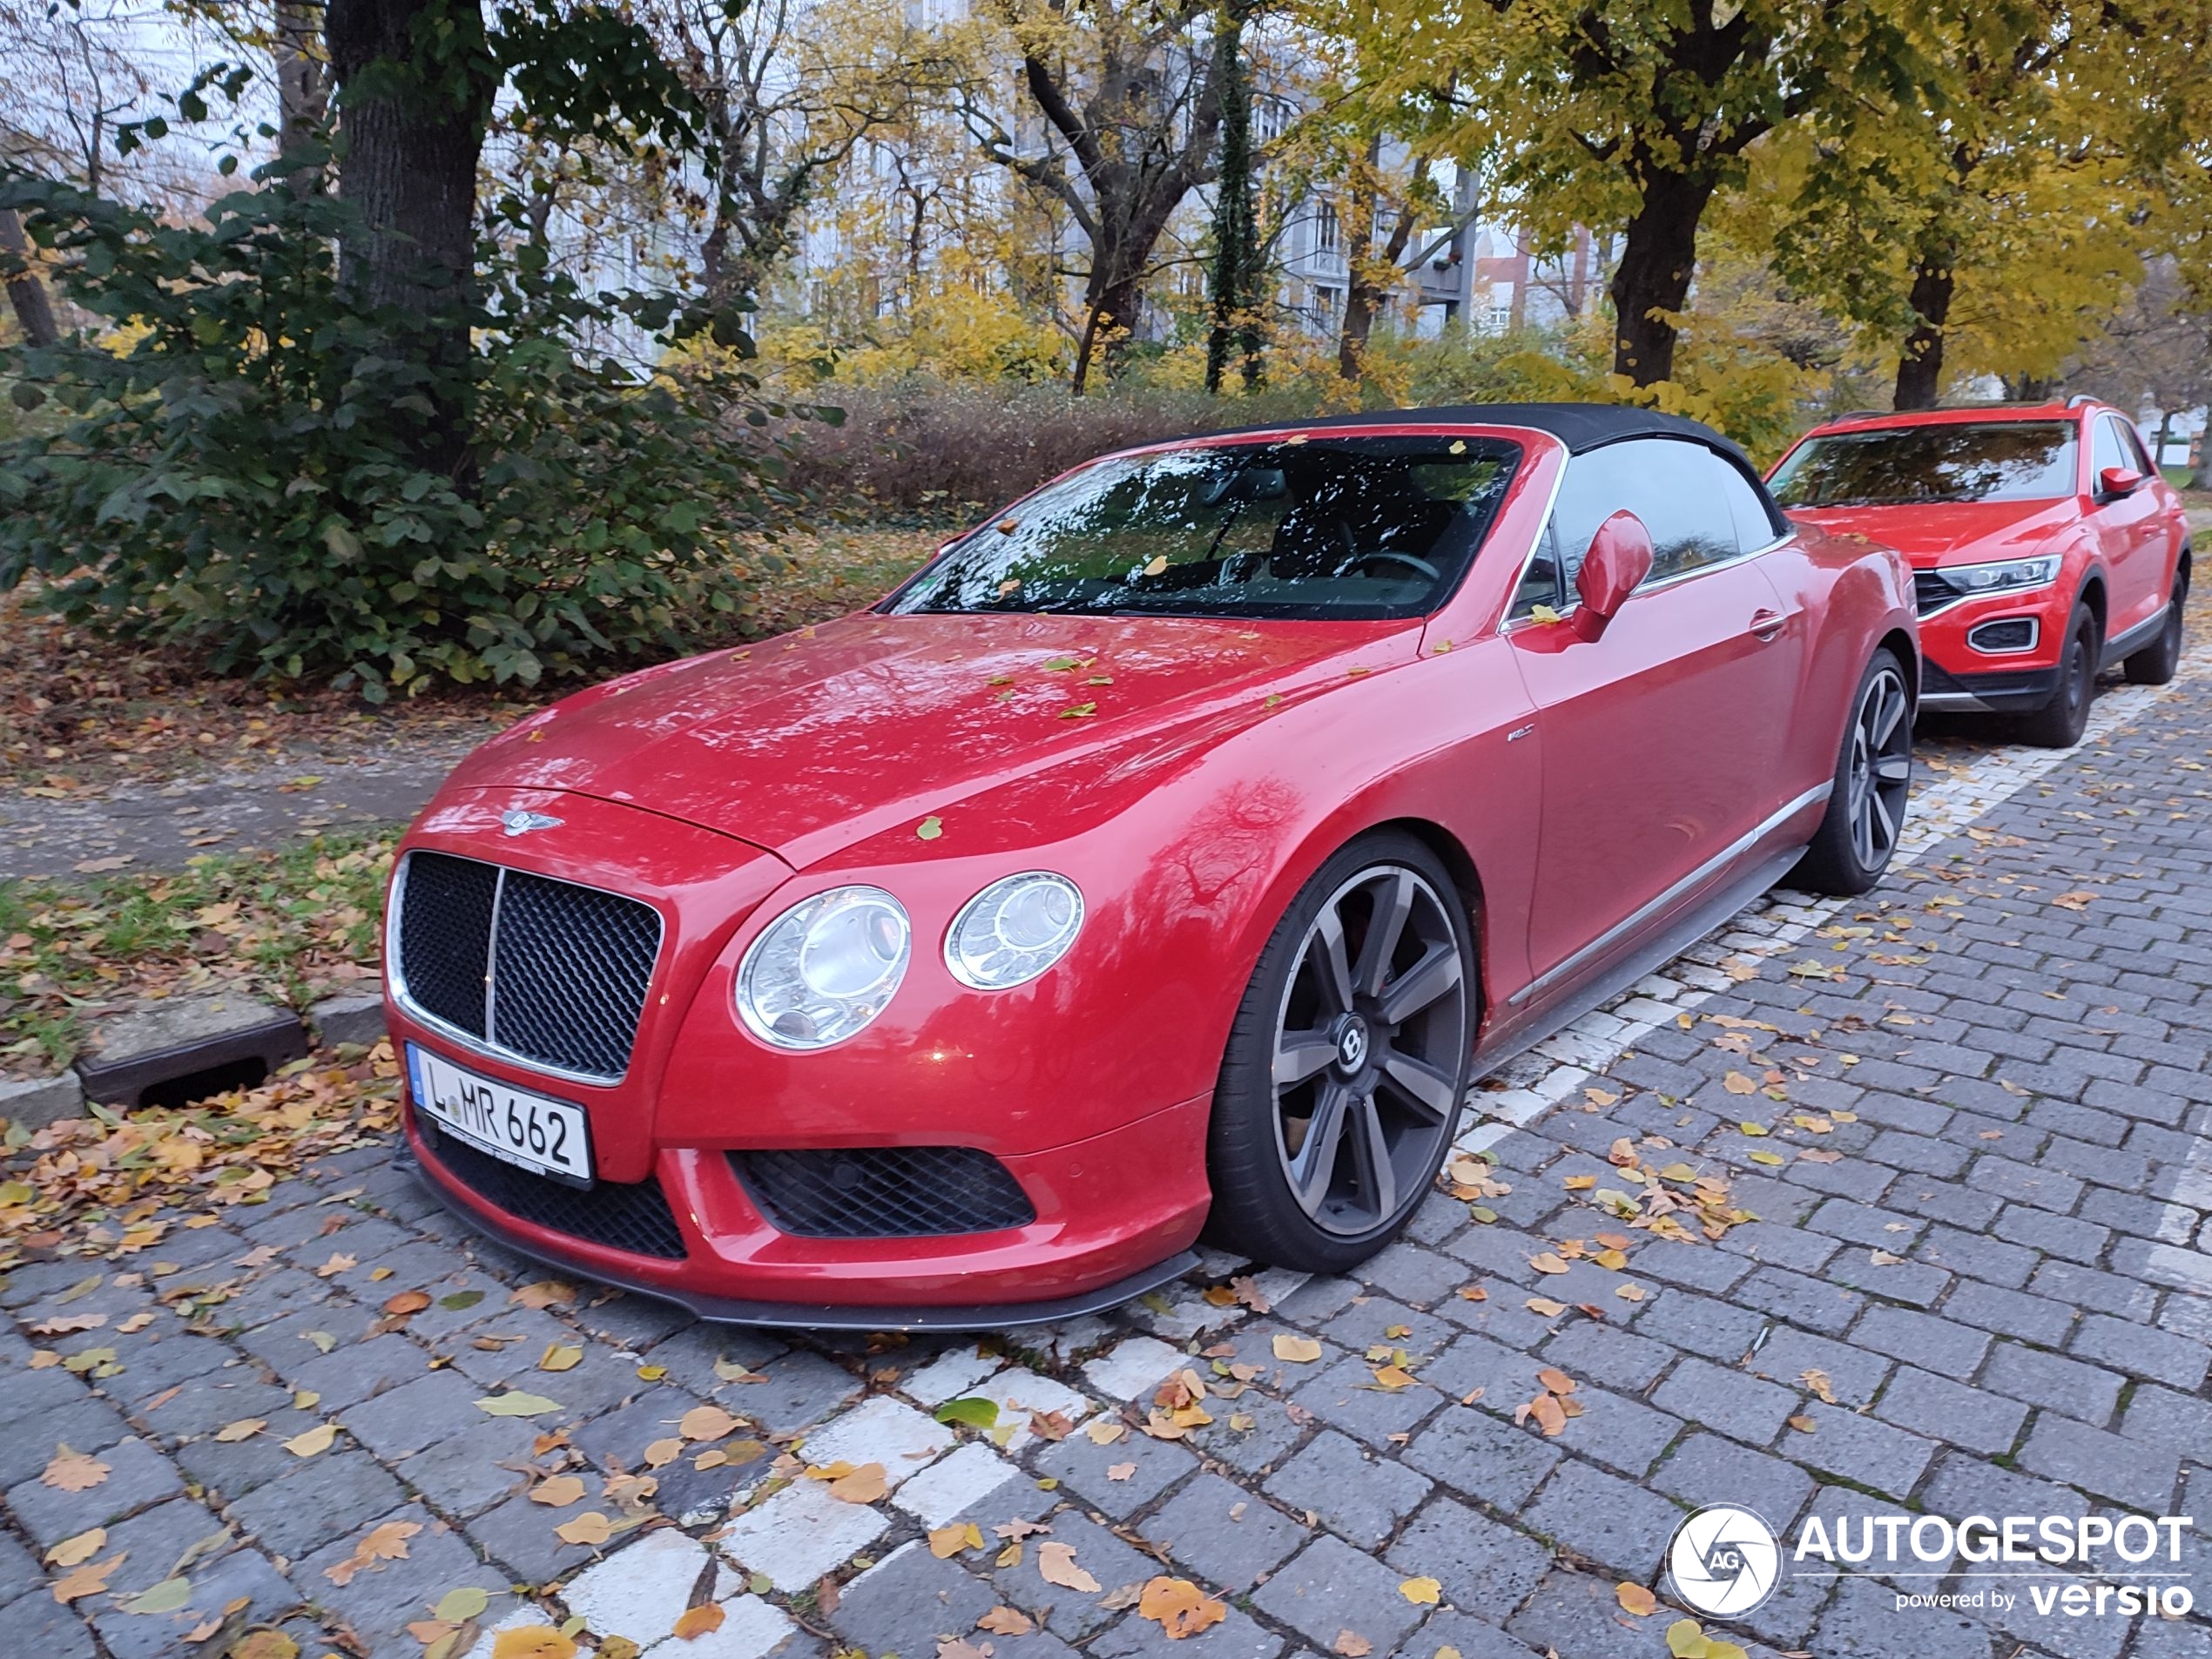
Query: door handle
1766,624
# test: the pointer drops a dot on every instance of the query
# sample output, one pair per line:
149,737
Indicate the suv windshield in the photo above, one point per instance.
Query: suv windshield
1351,526
1990,461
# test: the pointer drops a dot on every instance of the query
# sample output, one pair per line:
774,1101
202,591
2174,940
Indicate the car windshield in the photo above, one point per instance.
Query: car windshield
1966,460
1350,527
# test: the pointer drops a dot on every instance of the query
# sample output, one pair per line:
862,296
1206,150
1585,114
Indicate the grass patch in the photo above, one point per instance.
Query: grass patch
289,926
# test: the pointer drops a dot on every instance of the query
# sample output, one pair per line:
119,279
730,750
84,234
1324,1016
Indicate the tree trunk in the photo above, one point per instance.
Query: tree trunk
1658,255
1236,242
1109,305
412,133
303,92
34,311
1919,365
1364,297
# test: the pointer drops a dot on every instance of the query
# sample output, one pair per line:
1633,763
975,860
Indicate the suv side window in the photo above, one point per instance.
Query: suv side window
2138,456
2106,449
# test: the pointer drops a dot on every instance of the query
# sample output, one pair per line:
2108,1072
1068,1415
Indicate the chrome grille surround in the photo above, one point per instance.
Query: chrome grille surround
565,968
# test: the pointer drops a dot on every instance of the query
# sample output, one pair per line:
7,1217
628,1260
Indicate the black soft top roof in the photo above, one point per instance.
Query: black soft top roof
1579,426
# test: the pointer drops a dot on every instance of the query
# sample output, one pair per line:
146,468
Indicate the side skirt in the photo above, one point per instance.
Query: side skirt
1662,947
2135,639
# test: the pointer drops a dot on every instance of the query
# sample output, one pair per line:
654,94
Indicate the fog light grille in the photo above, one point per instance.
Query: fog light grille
884,1191
2013,634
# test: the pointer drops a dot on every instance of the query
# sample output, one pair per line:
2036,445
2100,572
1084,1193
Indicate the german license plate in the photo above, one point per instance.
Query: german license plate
549,1136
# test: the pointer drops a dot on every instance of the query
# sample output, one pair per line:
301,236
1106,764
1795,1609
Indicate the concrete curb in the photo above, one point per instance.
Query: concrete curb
37,1101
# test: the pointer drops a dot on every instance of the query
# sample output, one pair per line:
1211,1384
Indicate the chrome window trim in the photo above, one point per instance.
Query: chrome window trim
2035,635
395,974
1652,907
1508,621
1510,624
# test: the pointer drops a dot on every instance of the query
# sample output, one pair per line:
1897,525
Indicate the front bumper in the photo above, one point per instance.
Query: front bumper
1961,673
1115,1216
2008,691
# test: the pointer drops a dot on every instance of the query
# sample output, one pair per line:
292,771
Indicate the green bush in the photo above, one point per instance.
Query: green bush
239,465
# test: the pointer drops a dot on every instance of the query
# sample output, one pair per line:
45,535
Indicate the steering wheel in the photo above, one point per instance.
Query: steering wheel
1406,559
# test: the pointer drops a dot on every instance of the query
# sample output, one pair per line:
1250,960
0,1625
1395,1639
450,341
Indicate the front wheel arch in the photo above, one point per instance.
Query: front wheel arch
1266,1205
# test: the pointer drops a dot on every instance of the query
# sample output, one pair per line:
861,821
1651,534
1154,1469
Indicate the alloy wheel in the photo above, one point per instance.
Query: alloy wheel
1370,1046
1881,767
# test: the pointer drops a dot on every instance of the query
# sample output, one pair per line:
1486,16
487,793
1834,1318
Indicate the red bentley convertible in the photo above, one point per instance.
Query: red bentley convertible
1170,854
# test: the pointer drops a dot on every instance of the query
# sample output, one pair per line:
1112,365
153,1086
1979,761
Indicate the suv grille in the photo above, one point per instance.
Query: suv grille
545,971
884,1191
1932,592
632,1216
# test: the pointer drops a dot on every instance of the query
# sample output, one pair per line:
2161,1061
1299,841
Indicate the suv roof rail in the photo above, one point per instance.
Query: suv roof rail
2073,402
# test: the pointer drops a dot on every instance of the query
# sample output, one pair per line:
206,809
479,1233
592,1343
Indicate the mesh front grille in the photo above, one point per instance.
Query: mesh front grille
1931,591
568,967
884,1193
570,976
632,1216
445,936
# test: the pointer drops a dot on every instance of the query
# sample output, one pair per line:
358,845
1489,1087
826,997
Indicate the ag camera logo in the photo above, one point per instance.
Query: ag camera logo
1724,1560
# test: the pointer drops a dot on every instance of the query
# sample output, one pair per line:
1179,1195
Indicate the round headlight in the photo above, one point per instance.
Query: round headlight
1013,930
825,968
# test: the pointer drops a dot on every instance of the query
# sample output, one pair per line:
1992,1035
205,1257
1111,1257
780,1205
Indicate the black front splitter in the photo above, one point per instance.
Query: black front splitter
827,1316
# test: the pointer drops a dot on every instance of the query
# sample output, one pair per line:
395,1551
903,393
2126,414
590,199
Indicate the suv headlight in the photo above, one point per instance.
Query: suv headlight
824,968
1013,930
2005,575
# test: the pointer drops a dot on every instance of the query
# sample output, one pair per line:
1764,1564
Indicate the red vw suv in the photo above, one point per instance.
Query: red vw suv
2044,547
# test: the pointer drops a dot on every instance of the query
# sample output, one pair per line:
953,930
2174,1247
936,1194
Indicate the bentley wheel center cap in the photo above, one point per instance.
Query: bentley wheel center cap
1352,1044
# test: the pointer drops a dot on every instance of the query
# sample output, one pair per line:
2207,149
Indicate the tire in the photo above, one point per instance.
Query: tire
1370,1084
2059,722
1866,805
2157,663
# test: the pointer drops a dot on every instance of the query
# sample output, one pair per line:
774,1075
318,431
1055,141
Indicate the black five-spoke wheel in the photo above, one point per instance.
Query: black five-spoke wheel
1349,1062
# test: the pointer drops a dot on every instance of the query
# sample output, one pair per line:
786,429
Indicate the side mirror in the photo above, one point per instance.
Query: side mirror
1619,559
2115,481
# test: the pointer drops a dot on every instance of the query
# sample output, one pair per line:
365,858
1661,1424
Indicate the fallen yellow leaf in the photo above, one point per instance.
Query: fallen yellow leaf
696,1622
590,1529
1057,1564
1179,1607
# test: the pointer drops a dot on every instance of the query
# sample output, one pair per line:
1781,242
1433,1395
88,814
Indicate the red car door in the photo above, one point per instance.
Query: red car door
1664,740
2130,531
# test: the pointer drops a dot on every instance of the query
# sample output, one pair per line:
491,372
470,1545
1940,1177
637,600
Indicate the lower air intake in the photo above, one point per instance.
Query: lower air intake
884,1191
632,1216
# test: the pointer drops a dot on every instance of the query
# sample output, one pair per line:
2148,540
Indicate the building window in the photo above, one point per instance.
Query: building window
1328,234
1326,300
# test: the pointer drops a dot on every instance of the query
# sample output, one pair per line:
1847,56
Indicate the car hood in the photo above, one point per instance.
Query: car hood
822,737
1929,534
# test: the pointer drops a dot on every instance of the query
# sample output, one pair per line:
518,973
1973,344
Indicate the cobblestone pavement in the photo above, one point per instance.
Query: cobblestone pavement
1971,1114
